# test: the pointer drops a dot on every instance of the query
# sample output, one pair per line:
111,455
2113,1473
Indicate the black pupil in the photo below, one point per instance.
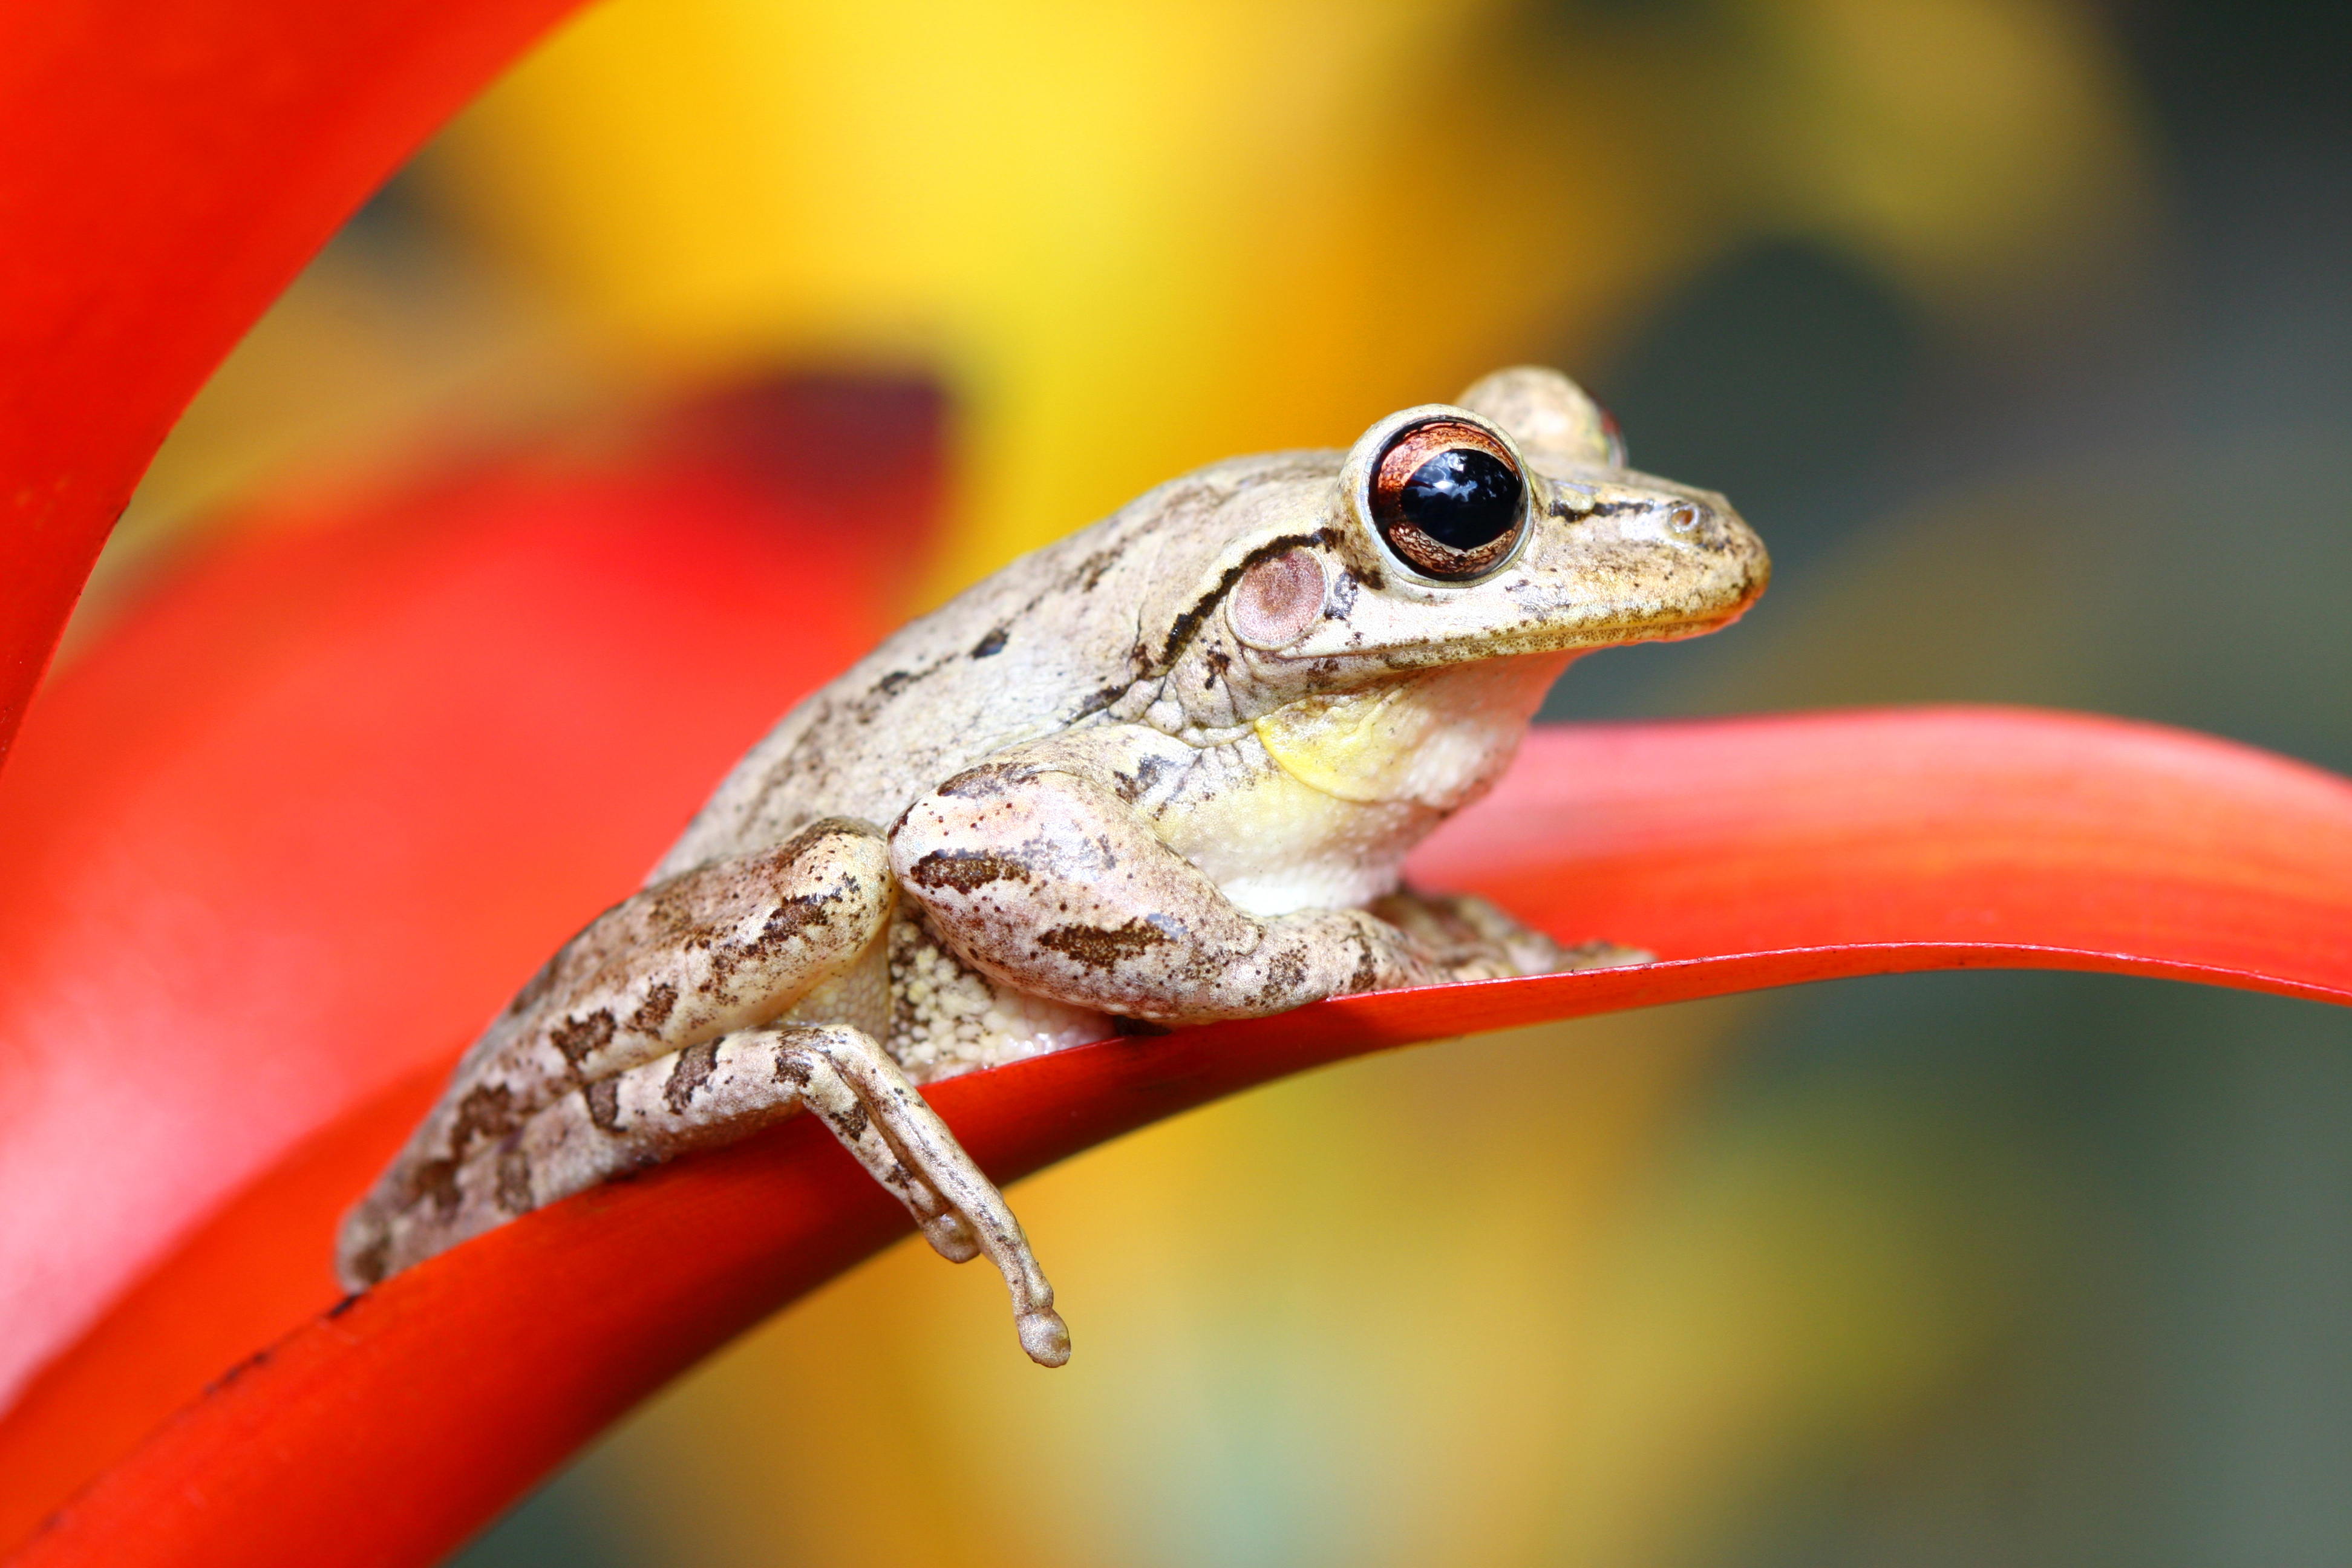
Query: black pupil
1463,497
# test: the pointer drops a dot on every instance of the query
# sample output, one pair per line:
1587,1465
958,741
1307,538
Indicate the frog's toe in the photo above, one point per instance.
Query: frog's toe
950,1237
1600,955
1045,1336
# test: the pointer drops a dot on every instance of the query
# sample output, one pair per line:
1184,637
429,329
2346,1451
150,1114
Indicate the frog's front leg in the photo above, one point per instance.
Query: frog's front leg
1036,867
710,1004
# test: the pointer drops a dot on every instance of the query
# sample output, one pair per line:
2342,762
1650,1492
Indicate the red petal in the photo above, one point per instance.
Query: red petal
171,165
291,836
2052,840
1874,841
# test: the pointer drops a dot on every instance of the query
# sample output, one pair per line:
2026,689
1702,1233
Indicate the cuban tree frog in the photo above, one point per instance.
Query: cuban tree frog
1164,770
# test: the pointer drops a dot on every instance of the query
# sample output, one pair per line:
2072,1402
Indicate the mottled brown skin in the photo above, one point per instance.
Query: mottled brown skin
1166,770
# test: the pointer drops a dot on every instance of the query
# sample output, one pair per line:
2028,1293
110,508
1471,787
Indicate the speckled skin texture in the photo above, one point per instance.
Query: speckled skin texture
1165,770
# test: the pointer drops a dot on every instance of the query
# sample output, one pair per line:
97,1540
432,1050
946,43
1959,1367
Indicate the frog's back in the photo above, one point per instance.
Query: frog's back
1052,641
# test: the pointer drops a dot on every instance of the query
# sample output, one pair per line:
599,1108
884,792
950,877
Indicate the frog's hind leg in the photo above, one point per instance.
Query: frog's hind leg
710,1005
716,1091
691,959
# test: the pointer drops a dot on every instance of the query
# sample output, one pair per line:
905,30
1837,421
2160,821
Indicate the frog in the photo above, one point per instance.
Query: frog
1161,772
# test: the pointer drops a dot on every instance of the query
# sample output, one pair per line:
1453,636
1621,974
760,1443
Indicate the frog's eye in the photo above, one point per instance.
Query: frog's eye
1449,499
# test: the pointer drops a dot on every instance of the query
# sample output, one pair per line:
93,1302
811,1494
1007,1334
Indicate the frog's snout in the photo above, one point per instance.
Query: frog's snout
1662,560
1733,567
1710,529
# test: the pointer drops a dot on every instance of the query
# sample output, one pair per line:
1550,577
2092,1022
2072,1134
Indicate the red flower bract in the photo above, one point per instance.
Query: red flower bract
1935,838
275,848
304,821
170,166
287,835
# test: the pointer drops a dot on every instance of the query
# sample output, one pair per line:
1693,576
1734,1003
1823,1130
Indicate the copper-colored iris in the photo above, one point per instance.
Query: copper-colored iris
1449,499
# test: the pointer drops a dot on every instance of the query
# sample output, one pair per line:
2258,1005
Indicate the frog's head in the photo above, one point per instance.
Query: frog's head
1507,525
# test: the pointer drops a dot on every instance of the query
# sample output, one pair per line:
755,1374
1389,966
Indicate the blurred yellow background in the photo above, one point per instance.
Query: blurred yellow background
1135,239
1932,288
1131,239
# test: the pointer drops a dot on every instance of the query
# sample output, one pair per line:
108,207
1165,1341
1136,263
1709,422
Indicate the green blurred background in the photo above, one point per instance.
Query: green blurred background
2021,329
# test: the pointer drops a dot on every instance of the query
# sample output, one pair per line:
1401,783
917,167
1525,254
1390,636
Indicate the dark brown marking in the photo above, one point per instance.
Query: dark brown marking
1089,572
1343,597
877,696
790,918
1098,947
980,783
578,1038
436,1183
1148,774
964,870
514,1181
484,1115
655,1010
852,1122
1101,700
695,1065
816,832
369,1264
993,643
791,1069
603,1098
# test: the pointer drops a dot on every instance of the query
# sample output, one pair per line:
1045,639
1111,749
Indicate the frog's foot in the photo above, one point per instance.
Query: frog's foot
1601,955
718,1092
958,1206
827,1094
1469,939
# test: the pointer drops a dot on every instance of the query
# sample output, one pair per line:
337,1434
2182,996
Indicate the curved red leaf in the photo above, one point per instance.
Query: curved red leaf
289,833
2000,829
170,166
1882,841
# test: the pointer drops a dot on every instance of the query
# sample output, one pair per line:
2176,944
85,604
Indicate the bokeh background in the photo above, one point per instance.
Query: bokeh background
2021,329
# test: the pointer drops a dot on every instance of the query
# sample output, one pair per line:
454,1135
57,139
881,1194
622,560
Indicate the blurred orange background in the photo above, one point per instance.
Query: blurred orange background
2018,327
